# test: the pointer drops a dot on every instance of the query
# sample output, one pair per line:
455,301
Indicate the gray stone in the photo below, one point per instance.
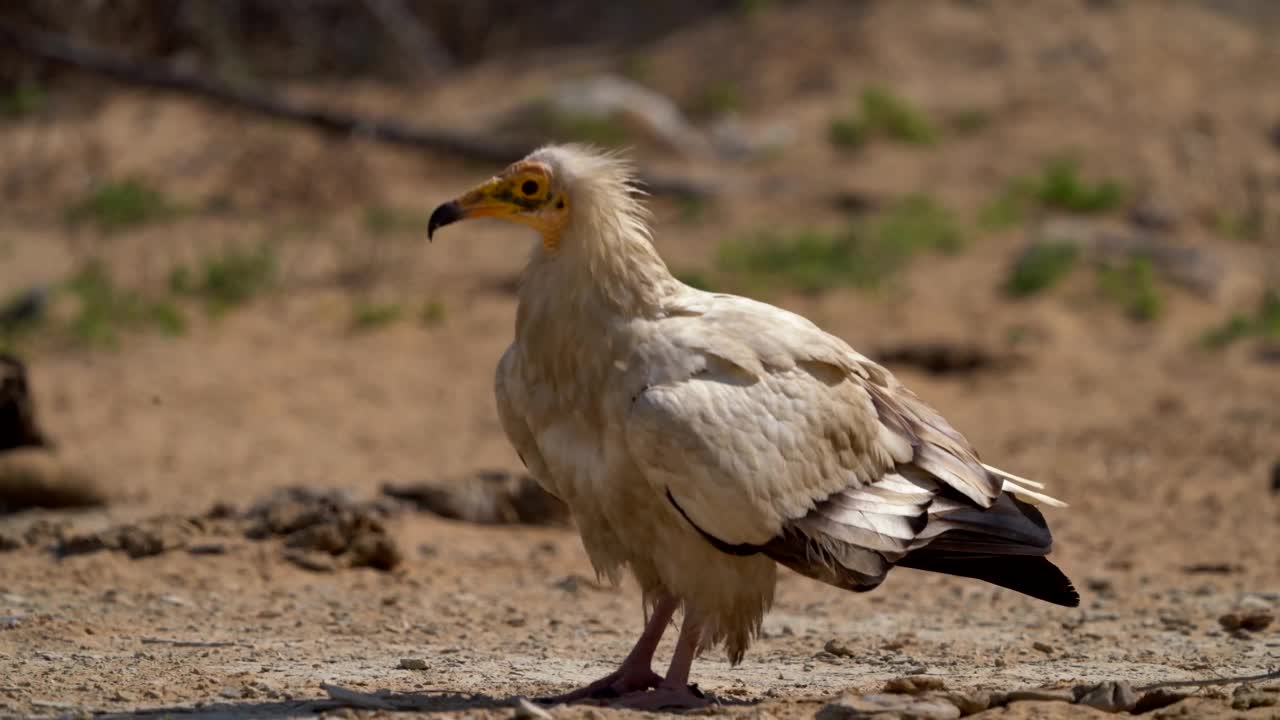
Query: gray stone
908,707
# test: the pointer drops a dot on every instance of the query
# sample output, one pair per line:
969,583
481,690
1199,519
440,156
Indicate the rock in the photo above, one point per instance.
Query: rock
1193,267
1101,586
9,541
1043,647
1275,477
377,550
523,709
18,427
491,498
32,477
1254,602
1041,694
1248,697
413,664
1150,214
1247,620
971,703
1156,699
877,705
313,561
1111,696
838,648
914,685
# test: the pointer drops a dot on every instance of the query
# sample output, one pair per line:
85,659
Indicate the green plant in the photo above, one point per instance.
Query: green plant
121,205
606,130
847,132
862,254
1040,267
1059,186
719,98
918,222
1134,286
1009,208
895,118
1263,323
1062,187
229,278
23,99
104,309
1238,225
367,316
432,313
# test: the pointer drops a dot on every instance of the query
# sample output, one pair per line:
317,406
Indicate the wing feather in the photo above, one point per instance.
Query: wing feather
788,442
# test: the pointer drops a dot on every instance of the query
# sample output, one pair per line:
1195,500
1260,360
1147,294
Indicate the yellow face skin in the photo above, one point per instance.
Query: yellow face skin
523,193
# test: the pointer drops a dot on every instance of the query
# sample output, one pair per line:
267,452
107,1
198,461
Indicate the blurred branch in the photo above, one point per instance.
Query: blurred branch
417,41
56,48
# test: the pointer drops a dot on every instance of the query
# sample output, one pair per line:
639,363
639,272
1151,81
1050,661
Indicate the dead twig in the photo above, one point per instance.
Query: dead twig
1273,675
56,48
191,643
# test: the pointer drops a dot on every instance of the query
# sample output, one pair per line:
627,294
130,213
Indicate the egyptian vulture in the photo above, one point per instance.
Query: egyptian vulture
701,439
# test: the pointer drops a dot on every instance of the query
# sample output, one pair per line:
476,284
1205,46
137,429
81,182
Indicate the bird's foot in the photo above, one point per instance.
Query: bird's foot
619,683
665,697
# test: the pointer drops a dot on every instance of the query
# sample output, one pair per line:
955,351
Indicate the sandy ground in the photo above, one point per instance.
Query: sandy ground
1164,451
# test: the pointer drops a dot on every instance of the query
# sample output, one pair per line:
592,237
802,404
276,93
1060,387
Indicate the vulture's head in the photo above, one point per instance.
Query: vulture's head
556,190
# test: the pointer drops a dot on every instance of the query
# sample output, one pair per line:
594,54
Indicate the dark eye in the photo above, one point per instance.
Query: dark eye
530,187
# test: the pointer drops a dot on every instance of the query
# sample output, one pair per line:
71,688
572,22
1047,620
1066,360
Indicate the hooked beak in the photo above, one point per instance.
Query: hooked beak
450,212
480,202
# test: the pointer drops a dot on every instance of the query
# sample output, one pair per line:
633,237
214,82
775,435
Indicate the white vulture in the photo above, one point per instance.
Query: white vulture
701,439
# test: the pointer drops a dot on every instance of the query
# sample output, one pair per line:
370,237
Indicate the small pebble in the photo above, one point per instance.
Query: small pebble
838,648
413,664
914,684
1042,647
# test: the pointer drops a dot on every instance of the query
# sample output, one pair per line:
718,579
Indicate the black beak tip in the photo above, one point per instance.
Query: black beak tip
447,213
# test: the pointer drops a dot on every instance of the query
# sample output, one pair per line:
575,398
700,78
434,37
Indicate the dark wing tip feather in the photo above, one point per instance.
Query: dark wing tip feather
1029,575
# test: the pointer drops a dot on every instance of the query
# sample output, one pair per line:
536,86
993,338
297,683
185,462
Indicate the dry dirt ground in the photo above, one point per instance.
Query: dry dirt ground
1165,451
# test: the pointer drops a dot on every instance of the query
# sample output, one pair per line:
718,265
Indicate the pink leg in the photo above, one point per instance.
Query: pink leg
674,693
636,672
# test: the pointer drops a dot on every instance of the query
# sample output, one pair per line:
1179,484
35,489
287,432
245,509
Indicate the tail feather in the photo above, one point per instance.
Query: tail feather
1004,545
1029,575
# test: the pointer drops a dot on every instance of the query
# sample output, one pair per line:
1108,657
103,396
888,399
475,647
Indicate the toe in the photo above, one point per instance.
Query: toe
665,698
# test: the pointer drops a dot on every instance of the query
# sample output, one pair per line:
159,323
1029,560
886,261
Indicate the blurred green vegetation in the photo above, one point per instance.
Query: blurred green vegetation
696,279
123,204
881,114
367,316
1245,225
1059,186
25,98
1041,267
432,313
1264,323
606,131
1134,285
229,278
862,254
104,310
718,98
